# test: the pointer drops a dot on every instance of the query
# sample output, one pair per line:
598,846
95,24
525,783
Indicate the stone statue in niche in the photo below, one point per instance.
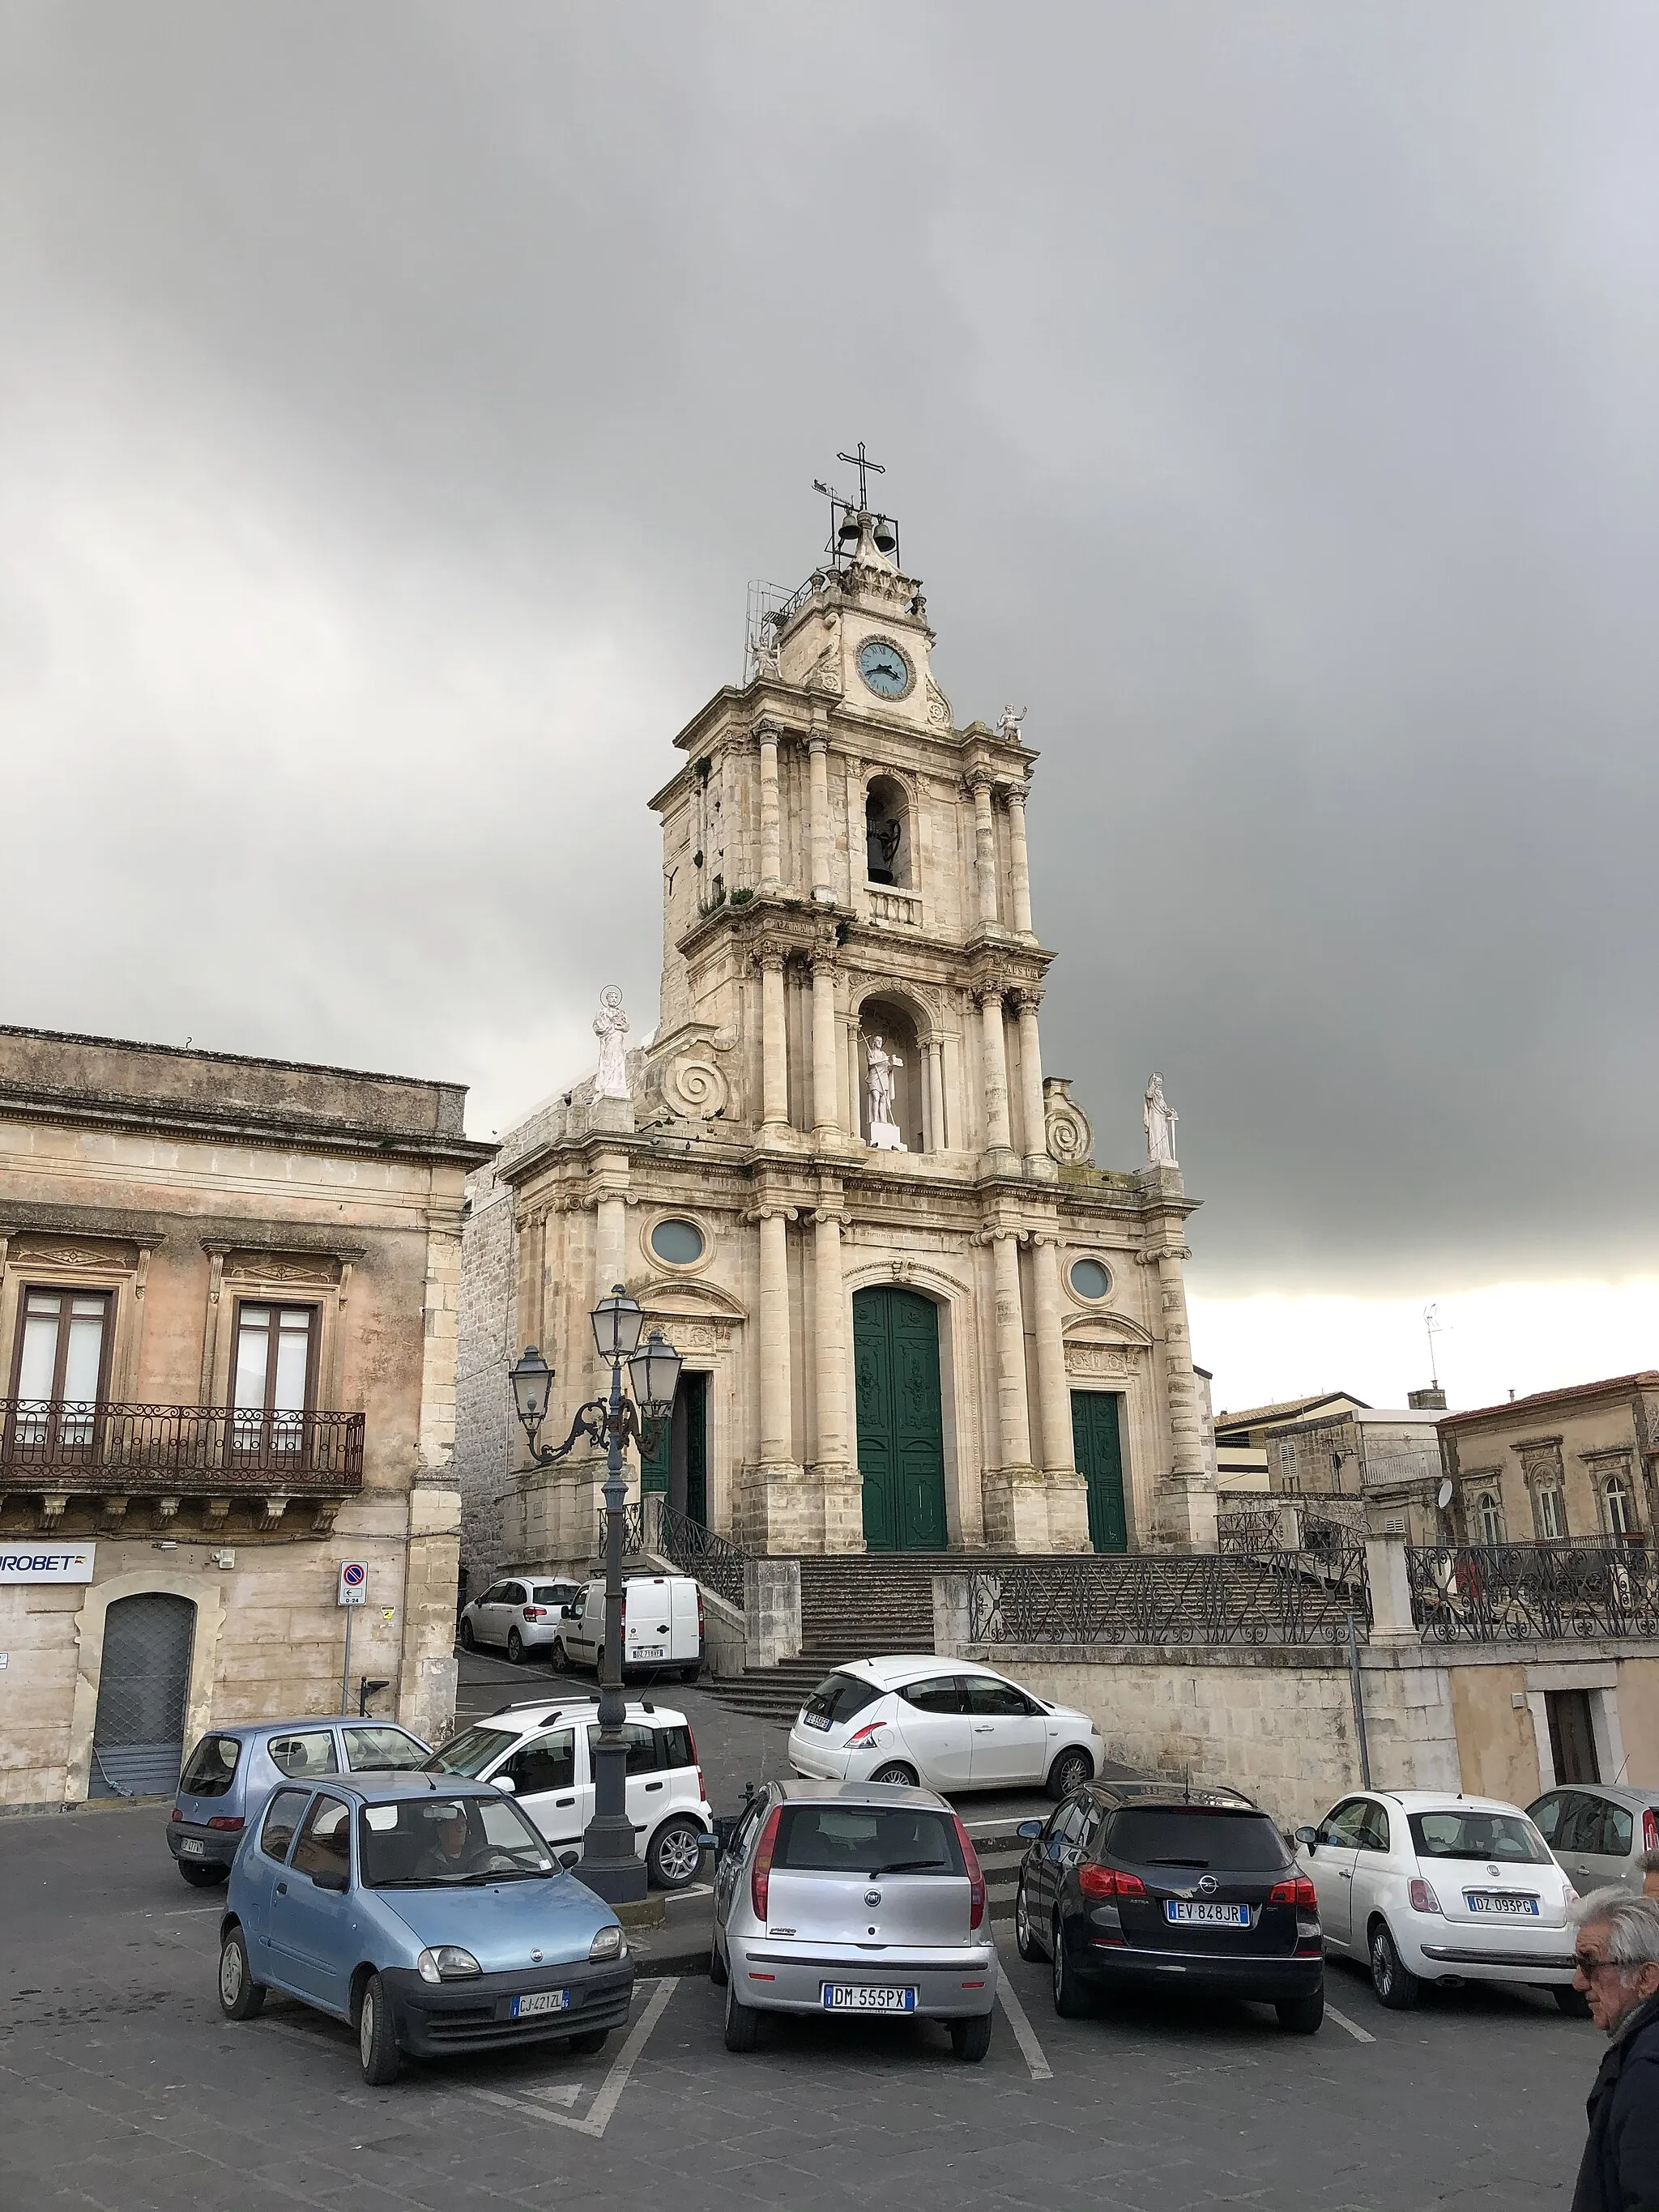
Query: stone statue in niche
610,1027
1160,1118
884,1135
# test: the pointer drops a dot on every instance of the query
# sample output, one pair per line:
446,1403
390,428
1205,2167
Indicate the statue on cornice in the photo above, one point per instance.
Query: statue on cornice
1160,1118
1008,725
610,1027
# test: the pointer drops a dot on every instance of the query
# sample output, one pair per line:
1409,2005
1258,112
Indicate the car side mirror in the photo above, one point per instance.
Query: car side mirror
1029,1831
505,1784
1308,1836
709,1843
568,1859
339,1883
567,1613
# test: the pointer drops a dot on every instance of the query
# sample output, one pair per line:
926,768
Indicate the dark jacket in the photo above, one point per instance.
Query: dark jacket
1620,2170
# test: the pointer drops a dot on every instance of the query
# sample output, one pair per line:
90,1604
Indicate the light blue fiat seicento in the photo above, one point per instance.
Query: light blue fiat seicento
425,1911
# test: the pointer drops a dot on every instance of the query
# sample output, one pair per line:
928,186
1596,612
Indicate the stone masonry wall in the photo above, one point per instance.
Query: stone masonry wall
484,1429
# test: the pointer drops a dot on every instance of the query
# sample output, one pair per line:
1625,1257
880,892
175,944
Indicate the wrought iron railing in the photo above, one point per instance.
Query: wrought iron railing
74,1445
1272,1598
1319,1522
1546,1592
651,1524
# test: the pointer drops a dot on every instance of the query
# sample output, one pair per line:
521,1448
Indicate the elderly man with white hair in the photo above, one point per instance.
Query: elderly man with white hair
1617,1956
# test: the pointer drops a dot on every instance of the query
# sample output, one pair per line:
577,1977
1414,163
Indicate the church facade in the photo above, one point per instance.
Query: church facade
914,1314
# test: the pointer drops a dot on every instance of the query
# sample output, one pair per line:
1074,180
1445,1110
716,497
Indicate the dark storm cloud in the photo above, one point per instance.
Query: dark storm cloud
395,401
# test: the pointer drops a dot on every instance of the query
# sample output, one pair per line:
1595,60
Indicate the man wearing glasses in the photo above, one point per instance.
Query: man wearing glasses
1617,1957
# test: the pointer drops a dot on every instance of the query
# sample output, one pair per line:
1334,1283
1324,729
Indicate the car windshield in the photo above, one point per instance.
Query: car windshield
1458,1832
212,1767
447,1843
865,1839
838,1697
1195,1836
470,1753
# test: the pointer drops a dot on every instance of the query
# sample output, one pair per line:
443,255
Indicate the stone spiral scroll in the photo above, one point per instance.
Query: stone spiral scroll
696,1089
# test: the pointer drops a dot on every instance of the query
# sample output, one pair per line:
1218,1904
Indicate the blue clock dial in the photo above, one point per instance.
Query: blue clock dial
884,668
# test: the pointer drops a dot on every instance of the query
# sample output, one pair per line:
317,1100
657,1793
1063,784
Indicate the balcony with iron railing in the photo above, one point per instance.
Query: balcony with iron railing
67,1444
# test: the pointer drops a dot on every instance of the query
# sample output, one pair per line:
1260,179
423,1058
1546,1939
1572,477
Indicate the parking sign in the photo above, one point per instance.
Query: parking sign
354,1583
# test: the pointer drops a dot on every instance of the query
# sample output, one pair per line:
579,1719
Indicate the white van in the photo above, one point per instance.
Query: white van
662,1627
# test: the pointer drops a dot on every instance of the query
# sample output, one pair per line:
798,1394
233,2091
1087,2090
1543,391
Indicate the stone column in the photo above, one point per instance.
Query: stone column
817,762
1038,1161
1067,1492
1014,1412
934,1057
826,1110
837,1481
771,862
993,1079
776,1413
985,845
1019,868
775,1050
1187,1517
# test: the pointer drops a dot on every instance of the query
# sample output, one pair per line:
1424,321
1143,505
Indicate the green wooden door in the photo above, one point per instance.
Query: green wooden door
653,1464
694,1389
901,1430
1097,1454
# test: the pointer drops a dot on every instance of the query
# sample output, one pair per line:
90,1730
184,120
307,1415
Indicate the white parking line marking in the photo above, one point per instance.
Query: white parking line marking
1353,2026
1024,2034
611,2089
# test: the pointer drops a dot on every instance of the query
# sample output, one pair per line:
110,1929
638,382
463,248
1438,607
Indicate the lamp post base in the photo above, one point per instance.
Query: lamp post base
610,1866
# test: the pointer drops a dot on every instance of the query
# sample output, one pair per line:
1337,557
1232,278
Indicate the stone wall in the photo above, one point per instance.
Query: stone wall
484,1427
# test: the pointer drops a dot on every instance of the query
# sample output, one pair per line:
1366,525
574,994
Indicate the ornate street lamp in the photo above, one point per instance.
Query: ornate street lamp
610,1865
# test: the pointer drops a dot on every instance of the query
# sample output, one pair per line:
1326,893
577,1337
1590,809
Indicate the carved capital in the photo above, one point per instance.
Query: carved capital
987,994
978,780
1155,1253
1024,999
771,1209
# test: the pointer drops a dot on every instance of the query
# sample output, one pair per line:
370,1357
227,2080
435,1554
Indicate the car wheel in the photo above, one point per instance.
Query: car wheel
203,1877
895,1770
1301,2015
1397,1986
717,1973
239,1995
469,1641
595,2039
971,2038
558,1658
1573,2003
742,2022
515,1647
1070,1771
689,1674
1071,1999
1025,1941
675,1855
377,2041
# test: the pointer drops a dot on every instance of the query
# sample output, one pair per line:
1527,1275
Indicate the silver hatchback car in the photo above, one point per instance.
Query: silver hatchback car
852,1897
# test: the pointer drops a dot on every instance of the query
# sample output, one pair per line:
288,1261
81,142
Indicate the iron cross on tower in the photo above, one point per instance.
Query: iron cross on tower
862,463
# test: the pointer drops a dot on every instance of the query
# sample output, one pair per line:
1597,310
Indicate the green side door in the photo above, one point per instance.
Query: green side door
901,1426
1097,1455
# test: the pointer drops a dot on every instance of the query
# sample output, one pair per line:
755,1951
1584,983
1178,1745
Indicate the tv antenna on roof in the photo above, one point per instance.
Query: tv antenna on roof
1432,1327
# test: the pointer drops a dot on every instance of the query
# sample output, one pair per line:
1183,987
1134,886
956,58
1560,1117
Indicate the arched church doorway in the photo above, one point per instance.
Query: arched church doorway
143,1683
900,1424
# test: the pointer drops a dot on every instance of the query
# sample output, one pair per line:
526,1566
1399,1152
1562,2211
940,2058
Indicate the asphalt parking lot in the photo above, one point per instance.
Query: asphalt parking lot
122,2087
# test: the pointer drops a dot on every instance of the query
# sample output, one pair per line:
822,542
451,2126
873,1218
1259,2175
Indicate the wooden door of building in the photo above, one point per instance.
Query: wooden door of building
900,1423
1097,1455
677,1467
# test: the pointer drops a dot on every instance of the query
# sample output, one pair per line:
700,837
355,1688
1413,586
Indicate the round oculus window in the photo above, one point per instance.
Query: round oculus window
679,1243
1090,1279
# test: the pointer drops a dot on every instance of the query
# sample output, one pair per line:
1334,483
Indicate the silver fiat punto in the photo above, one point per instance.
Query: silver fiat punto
852,1897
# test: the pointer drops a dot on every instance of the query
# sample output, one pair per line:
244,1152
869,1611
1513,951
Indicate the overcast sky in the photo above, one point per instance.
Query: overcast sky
395,399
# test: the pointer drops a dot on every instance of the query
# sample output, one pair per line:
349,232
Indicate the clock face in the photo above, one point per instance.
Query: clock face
884,668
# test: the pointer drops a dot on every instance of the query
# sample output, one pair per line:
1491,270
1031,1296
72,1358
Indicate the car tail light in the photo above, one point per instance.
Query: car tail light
178,1813
1108,1882
975,1879
1423,1897
1300,1892
1650,1830
534,1612
230,1821
863,1737
760,1878
700,1627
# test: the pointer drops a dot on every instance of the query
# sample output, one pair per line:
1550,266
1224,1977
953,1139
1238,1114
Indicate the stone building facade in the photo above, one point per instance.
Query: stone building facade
229,1294
1579,1462
914,1314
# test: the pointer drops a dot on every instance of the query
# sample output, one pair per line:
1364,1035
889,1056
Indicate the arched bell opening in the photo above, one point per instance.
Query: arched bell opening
887,834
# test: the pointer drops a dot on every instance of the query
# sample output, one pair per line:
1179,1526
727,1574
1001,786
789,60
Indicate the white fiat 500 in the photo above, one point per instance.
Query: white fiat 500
944,1724
1428,1887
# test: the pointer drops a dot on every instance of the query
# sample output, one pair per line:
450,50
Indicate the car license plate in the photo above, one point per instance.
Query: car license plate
1208,1916
540,2001
189,1848
816,1720
648,1651
1505,1904
865,1996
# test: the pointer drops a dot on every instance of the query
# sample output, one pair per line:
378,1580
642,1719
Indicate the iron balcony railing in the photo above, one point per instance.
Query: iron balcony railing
1272,1598
651,1524
1263,1521
1555,1592
68,1443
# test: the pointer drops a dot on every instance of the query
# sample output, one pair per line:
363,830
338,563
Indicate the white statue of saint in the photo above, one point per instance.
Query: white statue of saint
1008,723
884,1134
610,1027
1160,1118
